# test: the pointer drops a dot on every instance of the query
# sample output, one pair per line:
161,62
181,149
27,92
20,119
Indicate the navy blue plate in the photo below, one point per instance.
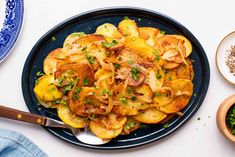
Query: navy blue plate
88,22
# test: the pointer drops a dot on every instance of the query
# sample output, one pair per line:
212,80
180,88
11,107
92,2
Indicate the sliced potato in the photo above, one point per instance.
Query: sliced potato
46,90
129,107
155,78
144,93
181,87
163,97
187,44
177,104
69,118
72,38
140,47
102,132
112,121
109,31
50,62
150,116
148,34
128,28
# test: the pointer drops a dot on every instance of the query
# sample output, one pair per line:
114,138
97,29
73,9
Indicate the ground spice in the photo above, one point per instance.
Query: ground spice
230,59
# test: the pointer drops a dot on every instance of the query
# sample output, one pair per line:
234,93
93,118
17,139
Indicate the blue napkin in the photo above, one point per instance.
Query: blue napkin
13,144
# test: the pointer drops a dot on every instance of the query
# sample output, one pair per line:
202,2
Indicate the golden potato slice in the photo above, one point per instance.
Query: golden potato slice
150,116
71,119
155,78
181,87
109,31
163,97
72,38
170,65
184,71
46,90
187,44
128,28
100,131
111,121
129,107
144,93
130,125
140,47
177,104
50,62
148,34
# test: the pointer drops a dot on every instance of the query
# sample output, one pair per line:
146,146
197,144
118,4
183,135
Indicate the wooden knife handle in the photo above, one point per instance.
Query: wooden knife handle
11,113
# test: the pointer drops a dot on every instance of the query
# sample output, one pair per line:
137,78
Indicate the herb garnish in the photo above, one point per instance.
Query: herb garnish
123,100
117,66
133,98
126,18
53,38
130,125
163,32
86,81
230,119
158,75
91,59
39,73
108,45
135,73
166,125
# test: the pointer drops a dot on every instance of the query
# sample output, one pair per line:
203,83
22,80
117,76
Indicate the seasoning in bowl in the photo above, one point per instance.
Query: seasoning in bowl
230,59
230,119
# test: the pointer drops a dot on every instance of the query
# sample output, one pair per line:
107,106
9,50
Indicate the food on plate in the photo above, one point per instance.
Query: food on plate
117,79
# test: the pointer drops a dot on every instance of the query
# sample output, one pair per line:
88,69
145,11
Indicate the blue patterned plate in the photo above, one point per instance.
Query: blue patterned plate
11,18
88,23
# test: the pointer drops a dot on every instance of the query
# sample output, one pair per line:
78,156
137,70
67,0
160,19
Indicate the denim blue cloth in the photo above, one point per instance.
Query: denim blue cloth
13,144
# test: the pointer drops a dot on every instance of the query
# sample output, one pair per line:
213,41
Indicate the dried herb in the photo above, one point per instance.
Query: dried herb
230,59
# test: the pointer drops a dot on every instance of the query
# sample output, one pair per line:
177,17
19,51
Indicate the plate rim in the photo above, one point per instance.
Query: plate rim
197,105
216,57
17,33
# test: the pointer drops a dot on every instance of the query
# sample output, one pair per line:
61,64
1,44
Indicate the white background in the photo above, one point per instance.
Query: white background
208,20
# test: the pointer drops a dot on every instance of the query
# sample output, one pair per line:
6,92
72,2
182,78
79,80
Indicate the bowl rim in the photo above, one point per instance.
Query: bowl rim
216,57
221,117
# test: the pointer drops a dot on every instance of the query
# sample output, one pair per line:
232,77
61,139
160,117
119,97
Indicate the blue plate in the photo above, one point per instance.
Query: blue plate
14,13
88,22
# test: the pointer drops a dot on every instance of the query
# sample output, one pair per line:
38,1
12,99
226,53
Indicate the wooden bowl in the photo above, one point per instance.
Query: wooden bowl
221,117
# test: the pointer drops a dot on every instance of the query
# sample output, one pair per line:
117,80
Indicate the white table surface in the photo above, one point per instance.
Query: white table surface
208,20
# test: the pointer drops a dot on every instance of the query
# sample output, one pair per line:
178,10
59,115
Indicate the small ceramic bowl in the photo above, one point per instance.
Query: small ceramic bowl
221,117
221,54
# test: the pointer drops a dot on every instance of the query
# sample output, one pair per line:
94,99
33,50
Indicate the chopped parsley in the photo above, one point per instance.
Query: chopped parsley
126,18
163,32
230,119
158,75
105,91
133,98
130,90
130,125
87,101
69,86
91,59
53,38
36,82
135,73
166,125
155,94
123,100
157,55
59,81
84,48
108,45
86,81
198,118
139,19
117,66
169,78
39,73
195,94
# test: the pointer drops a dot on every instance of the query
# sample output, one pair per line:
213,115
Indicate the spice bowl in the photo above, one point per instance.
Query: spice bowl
225,57
221,117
